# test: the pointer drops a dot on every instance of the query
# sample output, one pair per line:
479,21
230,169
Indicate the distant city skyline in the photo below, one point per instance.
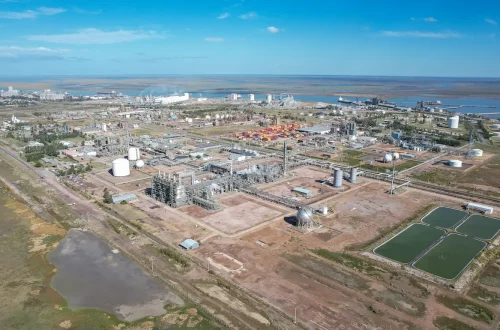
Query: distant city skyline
366,38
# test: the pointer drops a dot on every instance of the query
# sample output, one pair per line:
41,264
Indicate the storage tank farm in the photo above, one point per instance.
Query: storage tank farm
120,167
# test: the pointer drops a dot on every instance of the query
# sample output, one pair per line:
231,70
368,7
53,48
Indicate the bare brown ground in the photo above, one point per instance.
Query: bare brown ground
134,176
360,214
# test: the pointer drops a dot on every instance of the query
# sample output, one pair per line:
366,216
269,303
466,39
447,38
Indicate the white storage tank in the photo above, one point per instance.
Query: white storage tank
453,122
134,154
395,156
337,178
104,127
387,158
354,175
269,98
455,163
495,126
120,167
476,153
139,163
496,133
251,97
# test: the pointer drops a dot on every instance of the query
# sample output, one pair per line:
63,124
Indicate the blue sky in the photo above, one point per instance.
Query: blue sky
355,37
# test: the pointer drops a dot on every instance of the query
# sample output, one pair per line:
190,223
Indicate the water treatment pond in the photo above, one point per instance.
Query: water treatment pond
90,275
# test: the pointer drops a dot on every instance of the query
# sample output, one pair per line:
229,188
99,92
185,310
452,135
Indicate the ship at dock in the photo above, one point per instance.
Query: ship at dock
432,102
346,101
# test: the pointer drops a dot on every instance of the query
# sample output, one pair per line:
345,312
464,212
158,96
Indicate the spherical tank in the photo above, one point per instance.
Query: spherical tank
134,154
139,163
453,122
120,167
455,163
395,155
304,216
387,158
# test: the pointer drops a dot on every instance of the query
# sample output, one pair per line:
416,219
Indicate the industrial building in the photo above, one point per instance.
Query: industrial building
10,92
124,197
479,207
302,191
49,95
189,244
316,129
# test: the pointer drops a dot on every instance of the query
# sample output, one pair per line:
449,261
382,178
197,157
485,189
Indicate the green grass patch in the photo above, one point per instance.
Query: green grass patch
480,293
450,256
444,217
409,243
51,239
445,323
353,153
466,307
347,260
480,226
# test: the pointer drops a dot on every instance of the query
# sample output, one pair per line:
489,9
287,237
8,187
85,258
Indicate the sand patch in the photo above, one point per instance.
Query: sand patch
65,324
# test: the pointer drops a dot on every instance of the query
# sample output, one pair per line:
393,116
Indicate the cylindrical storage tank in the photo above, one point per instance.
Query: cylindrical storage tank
251,97
477,152
134,154
453,122
104,128
269,98
496,133
139,163
495,126
337,178
354,174
387,158
455,163
120,167
325,210
395,156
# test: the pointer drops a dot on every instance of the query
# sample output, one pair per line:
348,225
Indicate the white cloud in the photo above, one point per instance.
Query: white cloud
94,36
223,16
85,11
273,29
420,34
490,21
214,39
430,19
42,11
35,50
249,15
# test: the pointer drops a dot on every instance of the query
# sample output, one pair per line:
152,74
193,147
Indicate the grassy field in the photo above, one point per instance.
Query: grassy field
449,258
480,227
491,274
444,217
445,323
467,308
480,293
409,243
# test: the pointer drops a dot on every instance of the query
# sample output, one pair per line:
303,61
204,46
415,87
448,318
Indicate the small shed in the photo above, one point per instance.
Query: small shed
303,191
125,197
189,244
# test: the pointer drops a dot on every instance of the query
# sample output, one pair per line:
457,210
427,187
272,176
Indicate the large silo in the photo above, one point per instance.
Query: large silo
269,98
134,154
120,167
453,122
354,175
251,97
337,178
